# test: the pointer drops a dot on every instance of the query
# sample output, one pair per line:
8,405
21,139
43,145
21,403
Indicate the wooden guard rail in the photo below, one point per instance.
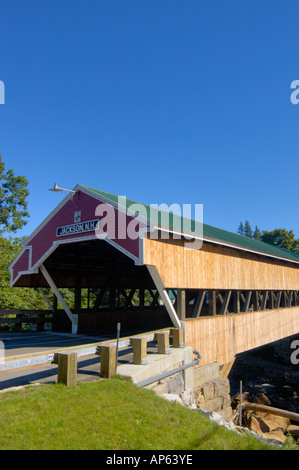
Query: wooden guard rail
139,345
28,317
67,358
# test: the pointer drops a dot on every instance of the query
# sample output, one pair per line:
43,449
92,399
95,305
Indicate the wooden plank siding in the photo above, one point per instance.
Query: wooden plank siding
221,338
218,267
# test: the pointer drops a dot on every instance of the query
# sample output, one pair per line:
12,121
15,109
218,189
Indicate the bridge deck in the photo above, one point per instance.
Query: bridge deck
20,344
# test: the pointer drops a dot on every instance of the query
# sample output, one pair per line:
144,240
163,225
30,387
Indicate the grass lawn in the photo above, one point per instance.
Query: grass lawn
107,415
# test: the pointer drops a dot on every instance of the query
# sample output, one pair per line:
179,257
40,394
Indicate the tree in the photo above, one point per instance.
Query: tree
241,230
13,214
247,229
15,297
13,200
257,234
282,238
278,237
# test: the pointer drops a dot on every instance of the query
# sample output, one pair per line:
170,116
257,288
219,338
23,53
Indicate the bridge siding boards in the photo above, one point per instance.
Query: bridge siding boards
214,267
221,338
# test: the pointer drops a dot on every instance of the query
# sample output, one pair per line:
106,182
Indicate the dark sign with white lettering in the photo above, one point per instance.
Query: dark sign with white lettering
81,227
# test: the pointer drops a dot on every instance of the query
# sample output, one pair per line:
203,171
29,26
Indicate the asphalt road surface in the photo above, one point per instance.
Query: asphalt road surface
18,344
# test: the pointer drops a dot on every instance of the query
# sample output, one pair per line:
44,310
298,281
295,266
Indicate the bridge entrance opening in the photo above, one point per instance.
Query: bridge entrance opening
103,287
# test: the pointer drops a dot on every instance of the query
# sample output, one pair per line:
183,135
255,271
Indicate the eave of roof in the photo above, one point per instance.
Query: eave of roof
212,234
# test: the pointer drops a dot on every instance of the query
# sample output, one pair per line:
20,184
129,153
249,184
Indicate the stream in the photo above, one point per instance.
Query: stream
268,370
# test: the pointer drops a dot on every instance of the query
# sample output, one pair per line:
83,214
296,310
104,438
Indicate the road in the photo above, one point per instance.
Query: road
18,344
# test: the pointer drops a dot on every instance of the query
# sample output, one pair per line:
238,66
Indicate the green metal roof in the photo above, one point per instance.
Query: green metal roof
210,233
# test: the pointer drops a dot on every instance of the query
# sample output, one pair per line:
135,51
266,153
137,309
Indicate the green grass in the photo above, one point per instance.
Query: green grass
107,415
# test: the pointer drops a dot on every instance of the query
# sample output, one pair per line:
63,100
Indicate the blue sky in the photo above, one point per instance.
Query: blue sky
164,101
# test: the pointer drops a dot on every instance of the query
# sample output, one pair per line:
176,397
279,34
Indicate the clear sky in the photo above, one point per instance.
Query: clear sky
164,101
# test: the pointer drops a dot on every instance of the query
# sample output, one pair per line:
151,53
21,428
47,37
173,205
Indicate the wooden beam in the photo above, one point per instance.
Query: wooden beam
212,303
99,298
155,297
77,293
278,298
141,298
236,301
290,298
264,300
46,299
199,303
255,300
247,301
177,337
271,300
139,350
225,303
128,297
162,339
164,295
285,298
108,360
67,368
270,410
72,317
181,304
226,368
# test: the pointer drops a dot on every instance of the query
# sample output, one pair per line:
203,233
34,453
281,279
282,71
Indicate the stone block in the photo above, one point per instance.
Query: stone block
176,384
187,397
221,386
205,373
212,405
226,413
226,401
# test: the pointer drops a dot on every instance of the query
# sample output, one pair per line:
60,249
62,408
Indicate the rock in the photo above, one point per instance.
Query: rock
221,386
262,399
187,397
173,398
256,424
212,405
207,390
276,435
176,384
226,413
293,429
200,400
267,425
276,422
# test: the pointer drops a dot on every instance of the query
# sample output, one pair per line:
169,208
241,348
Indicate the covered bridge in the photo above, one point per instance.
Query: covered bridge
228,292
